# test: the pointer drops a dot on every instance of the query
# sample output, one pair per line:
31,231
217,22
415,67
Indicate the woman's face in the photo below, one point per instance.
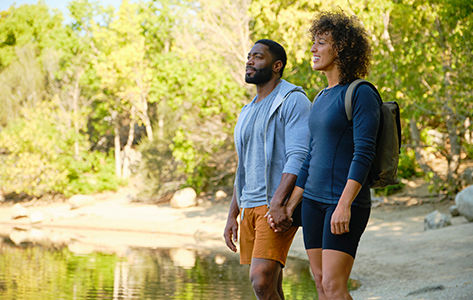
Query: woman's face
323,54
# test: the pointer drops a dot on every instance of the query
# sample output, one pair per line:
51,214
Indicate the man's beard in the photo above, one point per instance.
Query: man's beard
260,76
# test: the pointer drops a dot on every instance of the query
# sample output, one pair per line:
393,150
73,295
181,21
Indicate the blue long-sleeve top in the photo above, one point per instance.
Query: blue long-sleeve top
340,149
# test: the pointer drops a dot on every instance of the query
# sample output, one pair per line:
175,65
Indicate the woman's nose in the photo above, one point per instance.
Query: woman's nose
313,48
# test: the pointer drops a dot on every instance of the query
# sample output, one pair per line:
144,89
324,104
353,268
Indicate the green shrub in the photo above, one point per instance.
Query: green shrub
389,190
408,165
41,155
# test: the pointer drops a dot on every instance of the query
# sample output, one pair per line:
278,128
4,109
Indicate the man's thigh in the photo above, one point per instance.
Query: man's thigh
267,243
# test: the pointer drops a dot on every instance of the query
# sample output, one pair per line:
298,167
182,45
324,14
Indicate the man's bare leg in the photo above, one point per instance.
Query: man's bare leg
266,279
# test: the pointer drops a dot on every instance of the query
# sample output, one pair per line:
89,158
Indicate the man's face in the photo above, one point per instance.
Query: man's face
259,66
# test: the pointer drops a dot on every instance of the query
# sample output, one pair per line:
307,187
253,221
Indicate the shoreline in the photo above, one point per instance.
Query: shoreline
396,259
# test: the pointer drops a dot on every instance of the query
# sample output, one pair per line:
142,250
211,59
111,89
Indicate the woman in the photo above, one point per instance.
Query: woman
335,203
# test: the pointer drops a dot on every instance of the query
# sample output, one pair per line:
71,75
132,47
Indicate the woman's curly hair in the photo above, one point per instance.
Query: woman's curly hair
350,41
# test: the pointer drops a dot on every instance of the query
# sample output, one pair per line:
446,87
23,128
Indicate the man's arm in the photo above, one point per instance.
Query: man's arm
295,111
277,209
290,206
231,229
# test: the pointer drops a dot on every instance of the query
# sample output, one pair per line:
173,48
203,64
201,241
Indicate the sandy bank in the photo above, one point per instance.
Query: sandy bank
396,258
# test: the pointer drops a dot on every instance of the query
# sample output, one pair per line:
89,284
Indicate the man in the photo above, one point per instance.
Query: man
271,140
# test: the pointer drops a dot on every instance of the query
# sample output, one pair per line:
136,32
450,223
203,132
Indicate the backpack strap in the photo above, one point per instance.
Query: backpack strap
349,95
294,90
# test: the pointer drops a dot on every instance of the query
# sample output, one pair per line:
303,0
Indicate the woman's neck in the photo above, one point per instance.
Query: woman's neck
333,77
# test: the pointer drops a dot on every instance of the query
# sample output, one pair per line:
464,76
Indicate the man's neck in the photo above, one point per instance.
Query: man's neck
263,90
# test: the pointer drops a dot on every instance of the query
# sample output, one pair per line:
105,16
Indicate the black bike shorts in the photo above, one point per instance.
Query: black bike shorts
316,218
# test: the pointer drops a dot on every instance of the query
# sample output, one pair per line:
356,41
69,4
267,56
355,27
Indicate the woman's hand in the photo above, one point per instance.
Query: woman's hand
340,222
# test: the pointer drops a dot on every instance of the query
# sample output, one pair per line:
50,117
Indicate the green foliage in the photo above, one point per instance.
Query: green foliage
175,68
29,24
200,108
408,166
389,190
38,158
92,172
158,173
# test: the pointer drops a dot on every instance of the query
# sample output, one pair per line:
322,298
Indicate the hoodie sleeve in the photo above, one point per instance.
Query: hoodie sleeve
295,110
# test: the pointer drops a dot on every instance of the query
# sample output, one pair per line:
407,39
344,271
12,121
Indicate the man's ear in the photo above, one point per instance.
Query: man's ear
277,66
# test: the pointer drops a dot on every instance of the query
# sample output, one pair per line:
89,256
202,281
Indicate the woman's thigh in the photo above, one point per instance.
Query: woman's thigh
313,223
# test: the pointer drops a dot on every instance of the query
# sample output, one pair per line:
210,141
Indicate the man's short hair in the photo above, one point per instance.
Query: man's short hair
277,51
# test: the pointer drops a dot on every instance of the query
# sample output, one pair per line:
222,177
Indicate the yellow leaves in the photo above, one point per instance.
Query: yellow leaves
399,95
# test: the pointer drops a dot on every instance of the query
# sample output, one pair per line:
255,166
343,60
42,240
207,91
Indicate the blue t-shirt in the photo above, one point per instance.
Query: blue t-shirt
340,149
253,135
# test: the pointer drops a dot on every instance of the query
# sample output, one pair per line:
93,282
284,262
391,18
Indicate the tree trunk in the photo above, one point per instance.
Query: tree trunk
415,136
127,149
75,114
117,144
453,157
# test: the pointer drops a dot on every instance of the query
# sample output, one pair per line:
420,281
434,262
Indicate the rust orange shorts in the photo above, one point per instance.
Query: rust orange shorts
258,240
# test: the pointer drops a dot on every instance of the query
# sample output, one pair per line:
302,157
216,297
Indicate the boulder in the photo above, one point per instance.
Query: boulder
467,176
454,211
36,217
78,201
19,211
184,258
220,195
436,220
186,197
464,202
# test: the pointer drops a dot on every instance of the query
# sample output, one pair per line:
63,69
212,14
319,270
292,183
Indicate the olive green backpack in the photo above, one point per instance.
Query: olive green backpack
383,170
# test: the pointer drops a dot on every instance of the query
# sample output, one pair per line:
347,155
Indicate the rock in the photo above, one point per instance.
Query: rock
464,202
436,220
186,197
184,258
454,211
36,217
220,259
18,236
19,211
375,199
78,201
467,176
80,248
220,195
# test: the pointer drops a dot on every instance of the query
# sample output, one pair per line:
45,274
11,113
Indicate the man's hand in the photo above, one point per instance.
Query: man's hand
289,207
231,233
279,218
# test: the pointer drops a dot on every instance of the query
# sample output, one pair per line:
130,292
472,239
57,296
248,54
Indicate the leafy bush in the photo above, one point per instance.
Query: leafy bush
40,155
408,165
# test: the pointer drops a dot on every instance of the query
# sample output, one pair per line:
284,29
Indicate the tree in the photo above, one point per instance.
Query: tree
125,77
427,47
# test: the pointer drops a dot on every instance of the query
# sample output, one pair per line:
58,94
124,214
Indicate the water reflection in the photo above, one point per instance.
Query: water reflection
31,271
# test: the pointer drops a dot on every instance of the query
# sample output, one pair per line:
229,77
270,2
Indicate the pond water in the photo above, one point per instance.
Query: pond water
29,271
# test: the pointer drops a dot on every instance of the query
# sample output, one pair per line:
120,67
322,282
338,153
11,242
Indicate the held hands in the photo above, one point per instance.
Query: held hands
340,221
279,218
231,233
